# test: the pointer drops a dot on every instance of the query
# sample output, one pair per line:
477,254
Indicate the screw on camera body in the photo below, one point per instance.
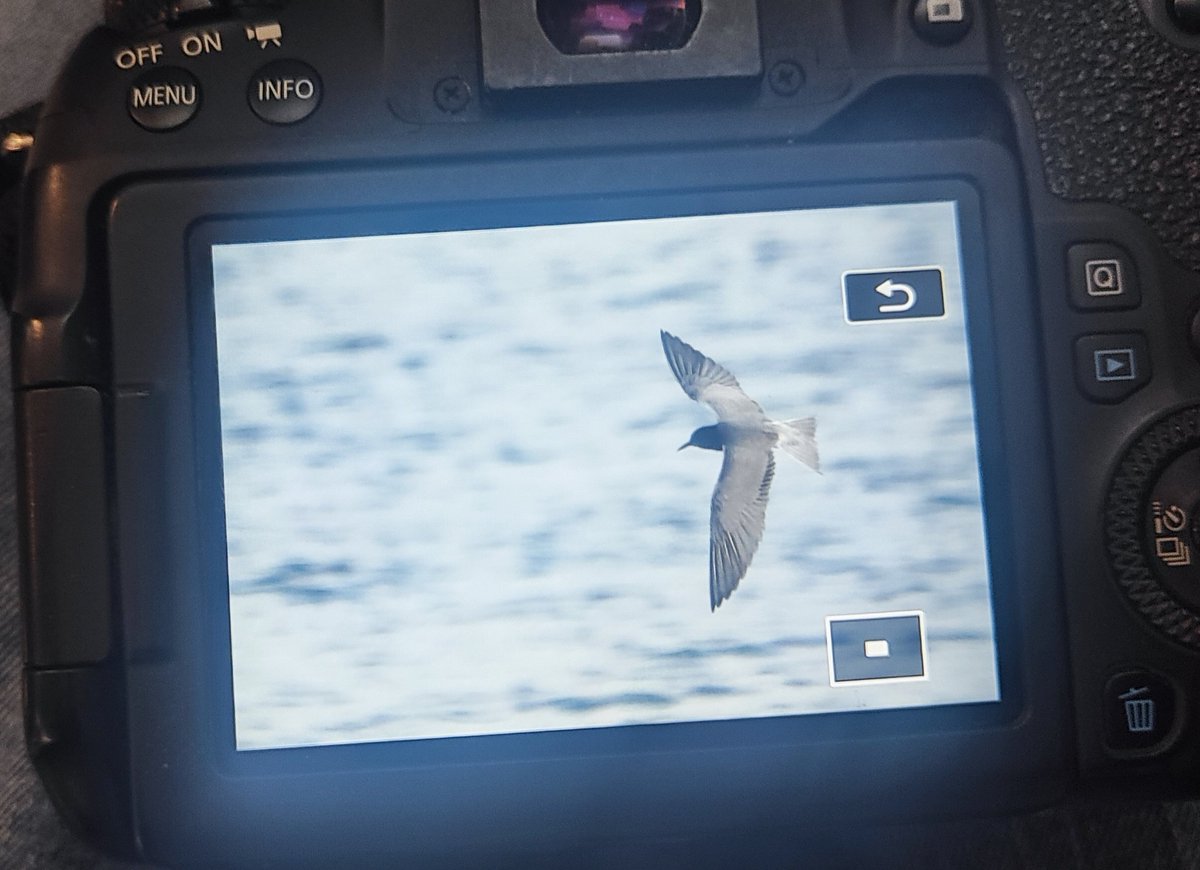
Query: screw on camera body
452,95
786,78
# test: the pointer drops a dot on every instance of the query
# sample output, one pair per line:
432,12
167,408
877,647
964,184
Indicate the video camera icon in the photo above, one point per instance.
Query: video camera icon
894,294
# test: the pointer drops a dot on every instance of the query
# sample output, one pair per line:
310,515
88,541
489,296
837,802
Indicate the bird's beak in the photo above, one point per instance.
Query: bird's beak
681,446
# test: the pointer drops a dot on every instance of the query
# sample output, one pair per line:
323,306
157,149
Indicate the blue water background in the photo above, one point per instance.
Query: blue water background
454,500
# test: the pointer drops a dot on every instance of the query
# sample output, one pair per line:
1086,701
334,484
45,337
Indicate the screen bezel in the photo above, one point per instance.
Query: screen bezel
191,788
796,729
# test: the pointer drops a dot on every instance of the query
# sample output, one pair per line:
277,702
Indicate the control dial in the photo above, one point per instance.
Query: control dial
1152,525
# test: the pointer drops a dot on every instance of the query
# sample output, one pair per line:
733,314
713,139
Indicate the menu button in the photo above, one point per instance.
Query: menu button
164,99
284,92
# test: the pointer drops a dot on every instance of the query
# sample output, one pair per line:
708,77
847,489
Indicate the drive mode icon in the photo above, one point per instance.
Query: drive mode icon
895,294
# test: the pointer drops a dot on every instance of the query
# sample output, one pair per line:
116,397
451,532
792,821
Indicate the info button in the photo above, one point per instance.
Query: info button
285,92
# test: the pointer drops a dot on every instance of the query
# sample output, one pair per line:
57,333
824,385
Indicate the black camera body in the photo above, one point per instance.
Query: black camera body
172,171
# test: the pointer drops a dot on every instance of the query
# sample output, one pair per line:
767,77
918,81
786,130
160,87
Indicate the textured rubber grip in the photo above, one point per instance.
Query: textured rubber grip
1124,521
1116,106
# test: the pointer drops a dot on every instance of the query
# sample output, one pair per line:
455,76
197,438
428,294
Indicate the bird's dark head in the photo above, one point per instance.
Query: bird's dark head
706,437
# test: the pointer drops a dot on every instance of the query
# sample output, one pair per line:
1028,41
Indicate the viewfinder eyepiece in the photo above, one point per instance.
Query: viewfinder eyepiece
618,26
570,43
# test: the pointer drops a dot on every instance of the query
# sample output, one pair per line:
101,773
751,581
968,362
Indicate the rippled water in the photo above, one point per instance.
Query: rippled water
455,503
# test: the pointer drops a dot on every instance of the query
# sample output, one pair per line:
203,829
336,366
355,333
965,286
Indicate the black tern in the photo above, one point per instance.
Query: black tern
748,439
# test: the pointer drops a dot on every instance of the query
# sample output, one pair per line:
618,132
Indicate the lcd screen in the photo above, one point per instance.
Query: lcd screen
456,502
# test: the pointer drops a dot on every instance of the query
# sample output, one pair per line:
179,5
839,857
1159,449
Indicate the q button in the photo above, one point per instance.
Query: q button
284,92
1103,277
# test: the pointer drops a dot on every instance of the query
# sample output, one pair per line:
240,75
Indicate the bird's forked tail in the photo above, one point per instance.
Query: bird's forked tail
798,438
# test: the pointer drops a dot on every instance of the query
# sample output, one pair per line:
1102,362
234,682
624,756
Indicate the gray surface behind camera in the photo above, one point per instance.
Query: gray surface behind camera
1054,43
35,37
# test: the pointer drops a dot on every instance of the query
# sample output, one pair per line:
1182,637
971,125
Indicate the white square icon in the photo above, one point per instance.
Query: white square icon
876,649
946,11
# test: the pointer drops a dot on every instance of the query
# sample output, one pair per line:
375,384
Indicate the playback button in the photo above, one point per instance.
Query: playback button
1110,368
284,92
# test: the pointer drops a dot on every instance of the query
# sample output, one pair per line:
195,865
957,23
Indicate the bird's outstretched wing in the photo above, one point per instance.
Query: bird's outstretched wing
710,382
739,508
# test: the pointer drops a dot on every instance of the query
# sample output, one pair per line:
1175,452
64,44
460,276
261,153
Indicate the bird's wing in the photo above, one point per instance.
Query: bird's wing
739,508
710,383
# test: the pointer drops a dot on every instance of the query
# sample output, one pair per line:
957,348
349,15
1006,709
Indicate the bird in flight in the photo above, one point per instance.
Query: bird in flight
748,439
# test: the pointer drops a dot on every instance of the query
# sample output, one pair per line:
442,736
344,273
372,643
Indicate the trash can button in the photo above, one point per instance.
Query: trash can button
1139,713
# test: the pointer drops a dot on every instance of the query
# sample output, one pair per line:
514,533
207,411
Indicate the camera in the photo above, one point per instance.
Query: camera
353,350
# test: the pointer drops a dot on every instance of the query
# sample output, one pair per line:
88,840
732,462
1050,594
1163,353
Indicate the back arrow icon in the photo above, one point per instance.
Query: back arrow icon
890,288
